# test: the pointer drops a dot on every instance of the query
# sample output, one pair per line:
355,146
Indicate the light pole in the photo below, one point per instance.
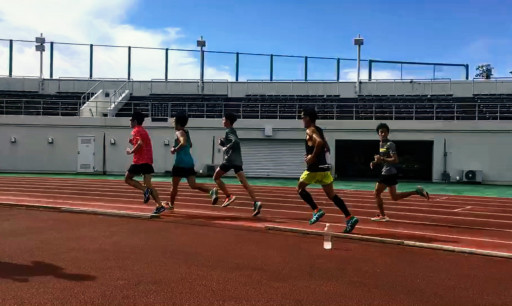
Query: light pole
359,41
201,43
40,48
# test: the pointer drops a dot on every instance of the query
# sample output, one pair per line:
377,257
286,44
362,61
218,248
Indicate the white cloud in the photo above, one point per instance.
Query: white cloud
351,74
97,22
489,50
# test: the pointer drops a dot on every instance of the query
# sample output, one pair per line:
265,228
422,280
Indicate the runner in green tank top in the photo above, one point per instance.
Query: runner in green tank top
233,160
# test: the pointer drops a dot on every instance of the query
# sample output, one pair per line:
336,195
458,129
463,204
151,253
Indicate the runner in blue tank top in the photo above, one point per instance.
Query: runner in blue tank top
184,163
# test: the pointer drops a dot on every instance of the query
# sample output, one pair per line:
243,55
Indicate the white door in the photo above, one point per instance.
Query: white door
85,154
273,157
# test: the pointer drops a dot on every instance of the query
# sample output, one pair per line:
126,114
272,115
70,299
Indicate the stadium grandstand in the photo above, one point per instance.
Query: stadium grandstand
436,109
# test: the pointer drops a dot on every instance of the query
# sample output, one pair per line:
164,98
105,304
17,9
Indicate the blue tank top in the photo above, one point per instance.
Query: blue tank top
183,157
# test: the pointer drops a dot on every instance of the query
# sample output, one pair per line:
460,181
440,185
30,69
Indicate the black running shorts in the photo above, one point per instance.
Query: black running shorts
388,179
225,167
138,169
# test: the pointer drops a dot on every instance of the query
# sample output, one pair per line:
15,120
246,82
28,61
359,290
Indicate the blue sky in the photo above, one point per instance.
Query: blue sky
457,31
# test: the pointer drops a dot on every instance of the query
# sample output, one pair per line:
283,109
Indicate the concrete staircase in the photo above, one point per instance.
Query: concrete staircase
106,103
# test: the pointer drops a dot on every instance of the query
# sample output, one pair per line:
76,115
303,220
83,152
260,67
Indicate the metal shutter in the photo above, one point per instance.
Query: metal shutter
273,157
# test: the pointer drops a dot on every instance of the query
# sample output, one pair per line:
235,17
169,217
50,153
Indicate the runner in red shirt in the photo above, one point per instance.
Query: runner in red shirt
142,161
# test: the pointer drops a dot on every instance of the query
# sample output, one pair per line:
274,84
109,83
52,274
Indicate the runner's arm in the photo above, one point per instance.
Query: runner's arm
137,146
313,134
390,160
234,139
182,138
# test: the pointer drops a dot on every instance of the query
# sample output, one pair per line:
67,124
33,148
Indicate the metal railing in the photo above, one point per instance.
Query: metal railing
39,107
21,76
371,62
497,81
303,63
327,111
162,86
290,80
88,94
494,78
407,79
118,93
277,110
397,88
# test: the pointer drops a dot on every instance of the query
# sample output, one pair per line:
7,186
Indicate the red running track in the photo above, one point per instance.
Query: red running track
70,259
480,223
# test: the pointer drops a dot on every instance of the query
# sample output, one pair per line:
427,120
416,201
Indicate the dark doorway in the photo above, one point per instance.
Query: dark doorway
353,159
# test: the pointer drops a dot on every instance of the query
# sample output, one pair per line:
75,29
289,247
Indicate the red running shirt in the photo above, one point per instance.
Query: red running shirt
144,155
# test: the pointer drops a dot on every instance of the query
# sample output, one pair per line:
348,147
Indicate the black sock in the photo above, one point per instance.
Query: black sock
341,205
306,196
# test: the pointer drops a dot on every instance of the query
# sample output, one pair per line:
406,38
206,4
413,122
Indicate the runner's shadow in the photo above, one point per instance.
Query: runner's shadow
22,272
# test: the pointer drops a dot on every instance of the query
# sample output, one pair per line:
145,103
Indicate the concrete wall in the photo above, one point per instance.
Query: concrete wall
482,145
241,89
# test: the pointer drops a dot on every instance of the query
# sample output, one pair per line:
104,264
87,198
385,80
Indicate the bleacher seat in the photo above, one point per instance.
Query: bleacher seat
329,107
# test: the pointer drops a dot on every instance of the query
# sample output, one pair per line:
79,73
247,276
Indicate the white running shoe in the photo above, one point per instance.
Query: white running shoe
380,218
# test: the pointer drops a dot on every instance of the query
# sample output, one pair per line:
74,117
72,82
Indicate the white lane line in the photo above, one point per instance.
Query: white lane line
462,208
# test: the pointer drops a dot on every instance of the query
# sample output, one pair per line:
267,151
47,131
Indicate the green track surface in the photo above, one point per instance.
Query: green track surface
433,188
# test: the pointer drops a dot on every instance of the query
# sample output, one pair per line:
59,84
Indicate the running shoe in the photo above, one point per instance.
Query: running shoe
351,224
214,194
422,193
316,217
256,209
228,200
159,210
169,205
380,218
147,195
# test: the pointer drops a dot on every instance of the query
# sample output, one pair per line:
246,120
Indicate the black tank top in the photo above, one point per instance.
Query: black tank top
320,164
